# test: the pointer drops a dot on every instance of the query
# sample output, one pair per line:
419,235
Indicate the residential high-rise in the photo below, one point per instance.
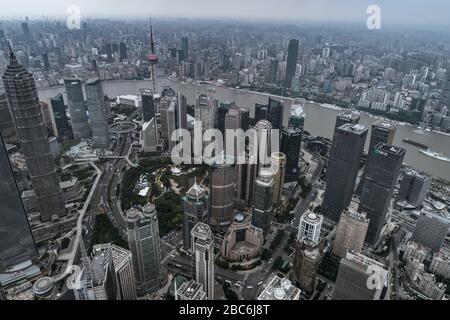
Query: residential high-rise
7,128
143,239
414,187
351,233
343,166
16,240
279,160
361,278
431,230
291,62
60,123
381,174
263,201
203,259
123,271
32,135
382,131
291,141
97,113
222,191
77,109
196,207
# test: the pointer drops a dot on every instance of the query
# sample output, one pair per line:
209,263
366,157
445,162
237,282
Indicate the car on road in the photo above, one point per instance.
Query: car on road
260,283
250,287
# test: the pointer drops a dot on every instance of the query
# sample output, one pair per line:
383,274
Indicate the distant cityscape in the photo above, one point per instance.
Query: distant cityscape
349,198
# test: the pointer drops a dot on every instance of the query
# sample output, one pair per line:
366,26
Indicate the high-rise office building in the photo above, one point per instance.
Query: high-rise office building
148,105
279,160
185,48
32,135
196,208
60,123
263,201
310,226
307,258
291,62
343,166
143,239
260,113
181,112
382,131
7,128
203,258
297,115
414,187
16,240
205,109
346,117
103,273
381,174
77,109
222,191
97,113
123,271
351,233
123,51
361,278
275,110
221,114
431,230
168,120
291,141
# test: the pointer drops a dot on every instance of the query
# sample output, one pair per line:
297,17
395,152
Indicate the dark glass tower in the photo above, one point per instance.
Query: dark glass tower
148,105
291,62
61,125
97,113
32,135
77,109
275,113
16,240
343,166
262,210
381,172
291,141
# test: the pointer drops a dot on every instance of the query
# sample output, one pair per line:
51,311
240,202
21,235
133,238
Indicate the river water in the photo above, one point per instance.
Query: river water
319,119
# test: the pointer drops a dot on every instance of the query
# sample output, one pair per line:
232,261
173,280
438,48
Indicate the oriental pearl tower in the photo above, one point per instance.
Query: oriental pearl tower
152,58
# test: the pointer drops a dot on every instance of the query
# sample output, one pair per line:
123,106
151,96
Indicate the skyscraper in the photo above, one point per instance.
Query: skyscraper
382,131
60,123
7,128
205,111
307,259
196,207
263,201
346,117
123,51
360,278
291,62
143,239
97,113
279,177
124,275
222,191
343,166
185,48
203,259
32,135
351,233
181,112
275,110
168,120
414,187
381,172
291,141
16,240
77,109
148,105
297,115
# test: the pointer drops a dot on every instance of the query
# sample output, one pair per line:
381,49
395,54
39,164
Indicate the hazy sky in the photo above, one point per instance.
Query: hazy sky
414,12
